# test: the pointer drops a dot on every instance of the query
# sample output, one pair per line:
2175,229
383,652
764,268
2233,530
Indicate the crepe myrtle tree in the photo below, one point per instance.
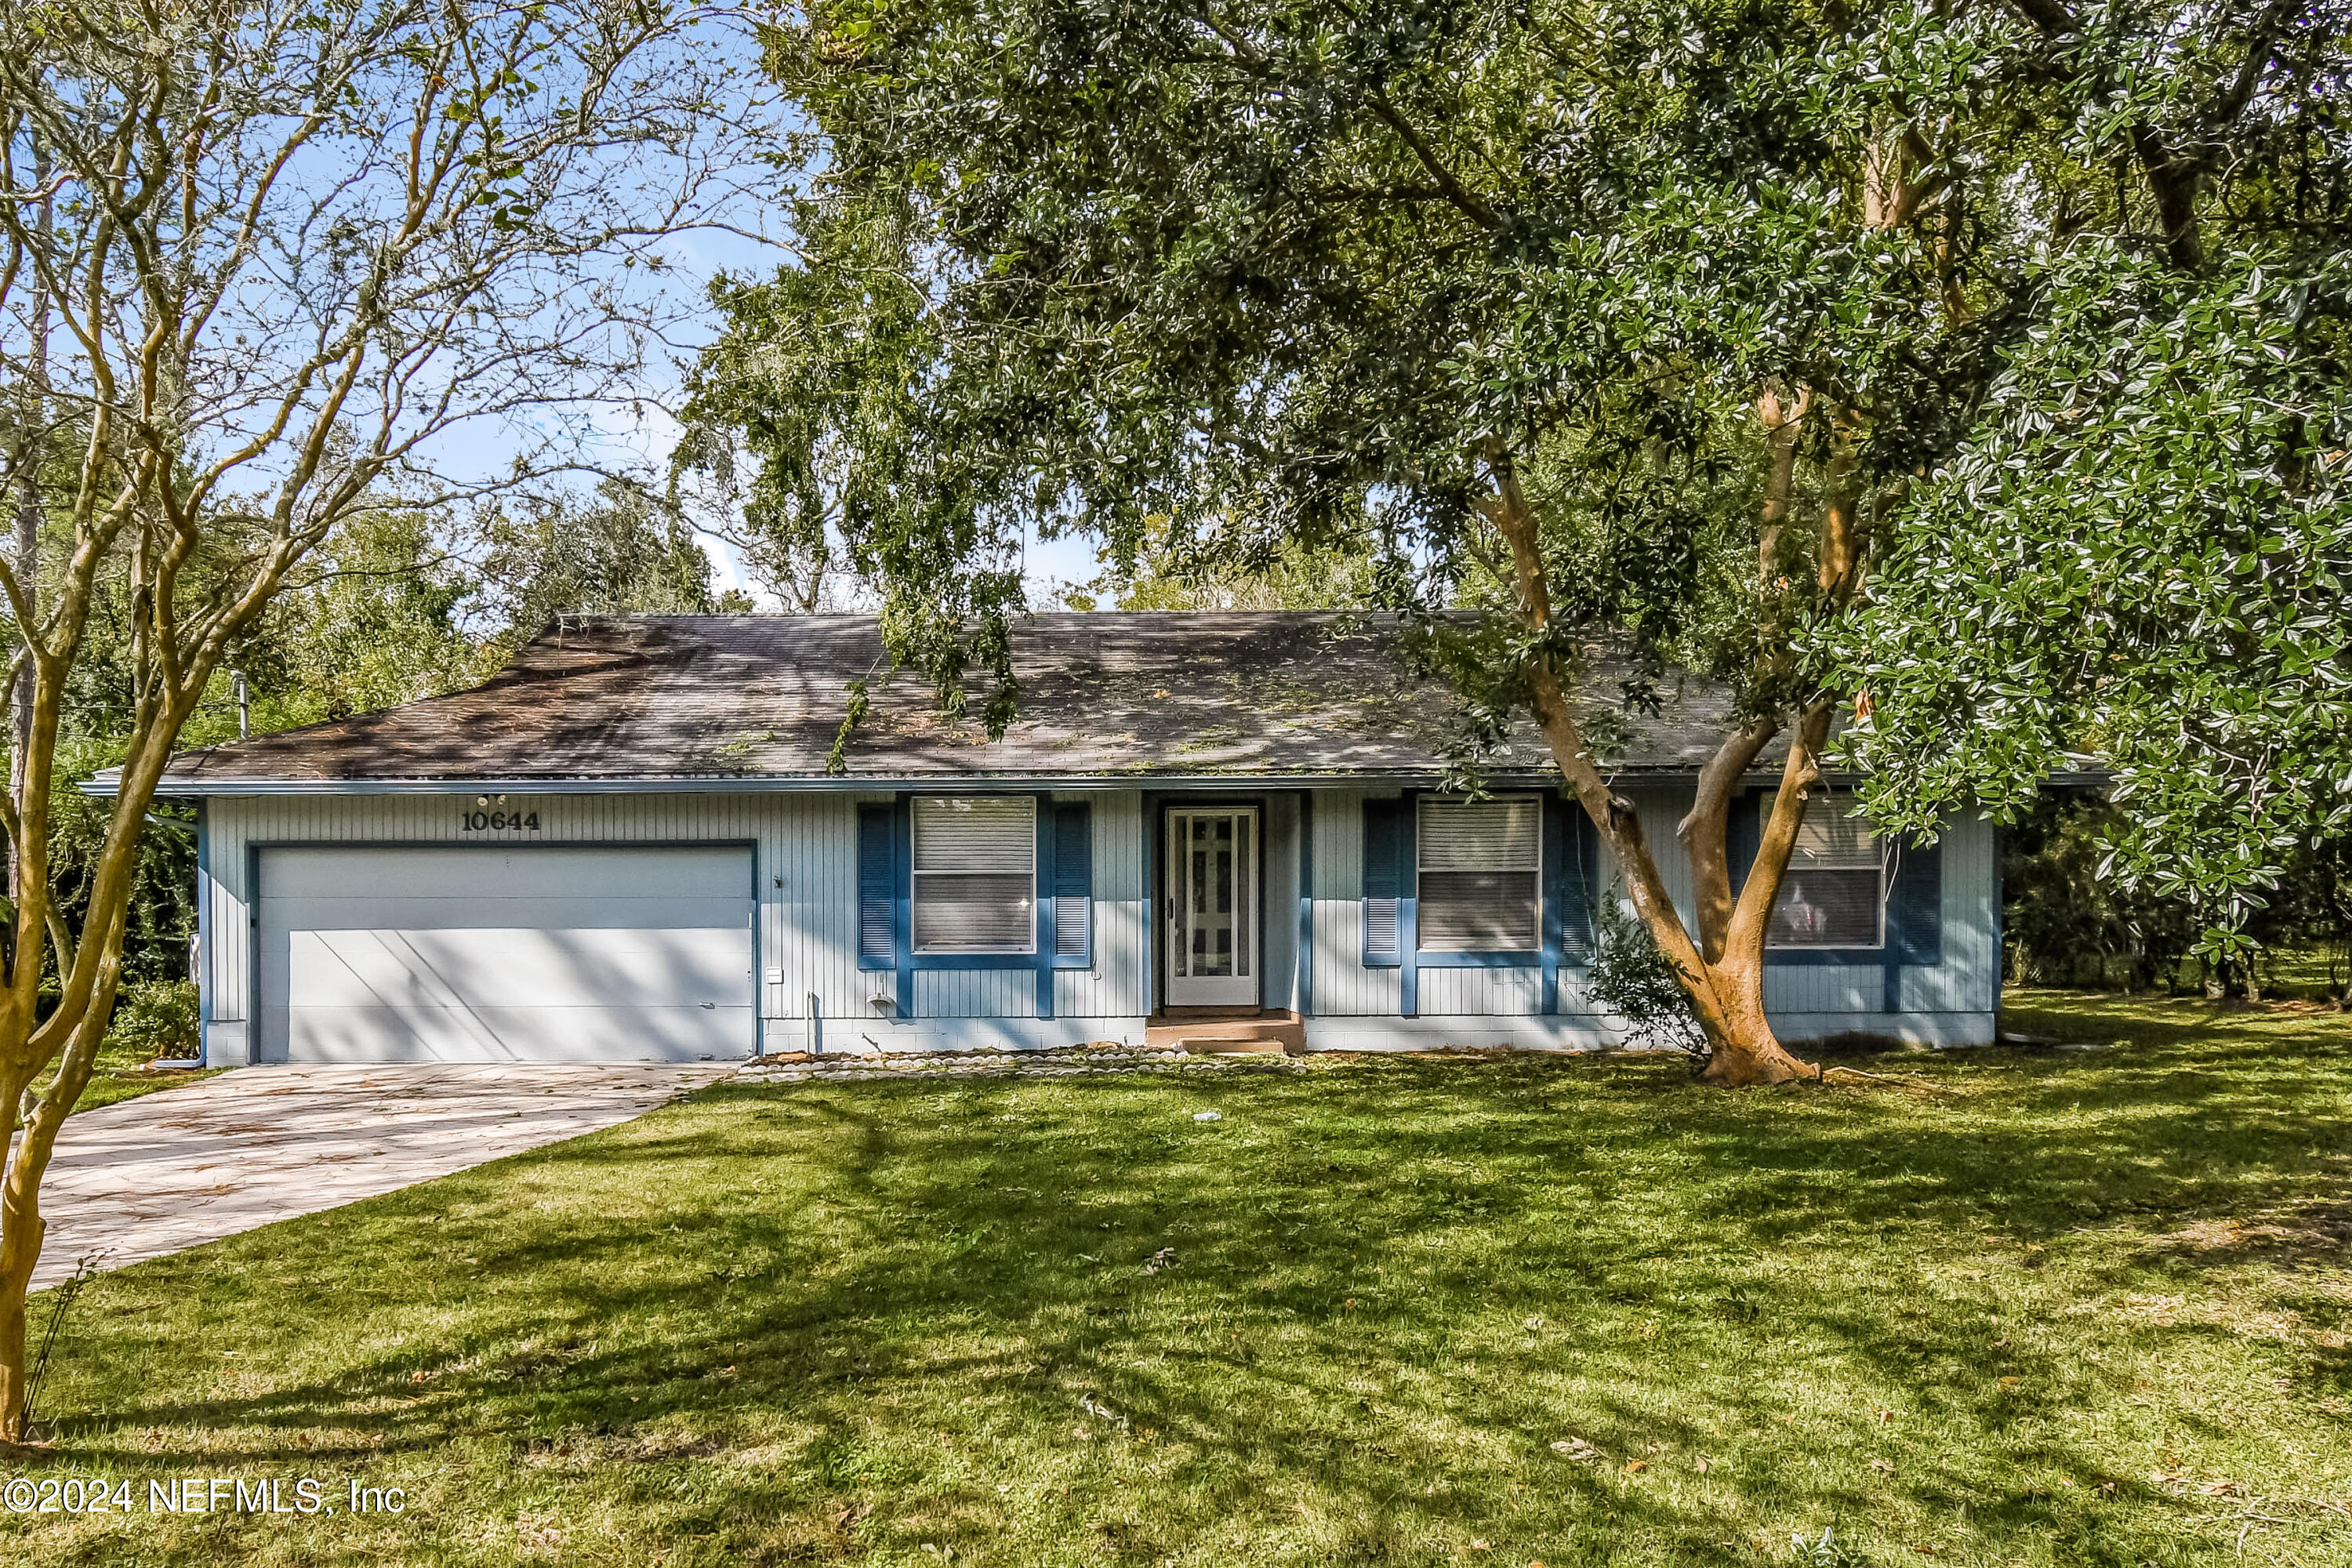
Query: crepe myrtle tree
1633,321
263,264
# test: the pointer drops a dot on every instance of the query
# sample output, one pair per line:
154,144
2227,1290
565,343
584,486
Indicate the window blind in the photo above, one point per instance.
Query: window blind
1835,891
1481,866
975,874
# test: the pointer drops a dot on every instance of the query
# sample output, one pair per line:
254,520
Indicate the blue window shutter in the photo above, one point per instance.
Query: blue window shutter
1074,886
1571,872
1555,897
1570,861
876,888
1383,883
1914,912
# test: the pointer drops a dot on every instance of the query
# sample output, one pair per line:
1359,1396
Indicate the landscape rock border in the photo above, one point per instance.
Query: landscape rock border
1061,1061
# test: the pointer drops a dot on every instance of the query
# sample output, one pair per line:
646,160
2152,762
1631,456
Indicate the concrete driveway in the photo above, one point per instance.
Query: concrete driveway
184,1166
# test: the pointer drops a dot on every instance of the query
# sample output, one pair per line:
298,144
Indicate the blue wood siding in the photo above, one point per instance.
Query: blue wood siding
1115,987
1343,986
806,873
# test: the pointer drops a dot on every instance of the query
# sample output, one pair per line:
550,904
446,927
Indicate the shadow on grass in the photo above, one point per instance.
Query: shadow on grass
1556,1307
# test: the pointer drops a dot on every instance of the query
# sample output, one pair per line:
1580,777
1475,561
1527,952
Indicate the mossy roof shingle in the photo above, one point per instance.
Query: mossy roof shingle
753,697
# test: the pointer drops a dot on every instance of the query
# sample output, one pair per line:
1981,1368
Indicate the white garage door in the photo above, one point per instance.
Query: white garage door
480,954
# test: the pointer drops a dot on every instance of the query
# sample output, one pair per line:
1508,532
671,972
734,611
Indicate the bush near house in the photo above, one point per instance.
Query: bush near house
157,1019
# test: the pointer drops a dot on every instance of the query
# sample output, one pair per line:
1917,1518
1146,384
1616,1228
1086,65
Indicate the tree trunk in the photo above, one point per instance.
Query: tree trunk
1726,980
20,1249
23,1227
1744,1052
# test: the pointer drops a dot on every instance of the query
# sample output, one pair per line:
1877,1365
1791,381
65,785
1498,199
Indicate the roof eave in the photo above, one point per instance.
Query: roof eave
727,784
108,782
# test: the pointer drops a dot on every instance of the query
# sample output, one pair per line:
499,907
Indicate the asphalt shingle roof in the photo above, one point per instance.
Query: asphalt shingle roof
751,698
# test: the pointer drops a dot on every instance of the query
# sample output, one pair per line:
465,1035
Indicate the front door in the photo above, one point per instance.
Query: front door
1212,908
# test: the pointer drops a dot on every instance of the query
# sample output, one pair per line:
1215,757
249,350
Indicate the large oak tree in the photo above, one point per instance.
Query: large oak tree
1643,320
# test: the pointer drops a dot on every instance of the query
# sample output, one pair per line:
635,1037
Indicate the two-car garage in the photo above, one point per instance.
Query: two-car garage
504,952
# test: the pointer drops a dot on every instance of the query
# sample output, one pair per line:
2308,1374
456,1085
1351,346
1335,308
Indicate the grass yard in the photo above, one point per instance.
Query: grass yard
2079,1307
122,1074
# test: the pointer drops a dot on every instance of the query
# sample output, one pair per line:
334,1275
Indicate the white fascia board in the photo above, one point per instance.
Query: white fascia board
107,782
101,784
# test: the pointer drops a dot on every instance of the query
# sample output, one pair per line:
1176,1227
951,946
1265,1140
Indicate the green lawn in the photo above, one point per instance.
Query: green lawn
2080,1307
122,1074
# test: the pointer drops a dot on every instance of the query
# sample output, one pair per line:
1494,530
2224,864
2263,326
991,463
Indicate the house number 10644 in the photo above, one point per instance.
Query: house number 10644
479,821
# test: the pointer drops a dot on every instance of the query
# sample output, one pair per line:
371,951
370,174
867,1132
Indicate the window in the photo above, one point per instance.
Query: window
1834,894
976,874
1481,868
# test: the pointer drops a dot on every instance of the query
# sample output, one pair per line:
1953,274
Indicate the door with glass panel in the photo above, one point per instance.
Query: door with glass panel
1212,908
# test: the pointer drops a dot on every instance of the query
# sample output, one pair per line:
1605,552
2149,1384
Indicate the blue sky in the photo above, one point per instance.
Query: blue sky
641,438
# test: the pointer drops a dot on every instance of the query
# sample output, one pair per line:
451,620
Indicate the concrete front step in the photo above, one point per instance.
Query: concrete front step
1230,1036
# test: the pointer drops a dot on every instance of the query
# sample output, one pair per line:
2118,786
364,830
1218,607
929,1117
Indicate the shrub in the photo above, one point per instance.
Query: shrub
1638,983
157,1018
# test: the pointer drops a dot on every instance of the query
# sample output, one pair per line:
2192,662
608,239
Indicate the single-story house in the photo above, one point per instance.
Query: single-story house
628,845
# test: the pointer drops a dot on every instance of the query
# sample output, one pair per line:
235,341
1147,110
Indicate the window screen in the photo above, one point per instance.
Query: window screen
1835,893
1481,867
975,875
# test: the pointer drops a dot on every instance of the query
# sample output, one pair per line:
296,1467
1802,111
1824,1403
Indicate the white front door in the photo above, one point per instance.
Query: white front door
1212,908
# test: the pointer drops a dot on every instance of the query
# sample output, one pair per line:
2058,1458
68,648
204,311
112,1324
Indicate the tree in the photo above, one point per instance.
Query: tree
623,552
1176,570
2139,561
2061,915
296,250
382,612
1633,321
811,394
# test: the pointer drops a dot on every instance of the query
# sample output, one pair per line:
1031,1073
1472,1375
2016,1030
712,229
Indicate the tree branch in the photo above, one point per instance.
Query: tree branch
1465,200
